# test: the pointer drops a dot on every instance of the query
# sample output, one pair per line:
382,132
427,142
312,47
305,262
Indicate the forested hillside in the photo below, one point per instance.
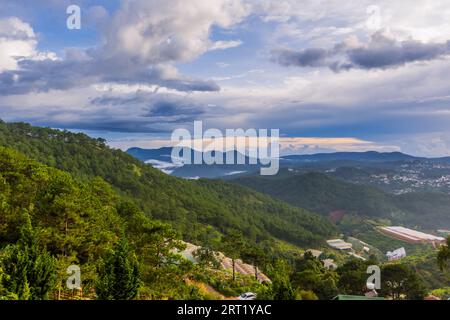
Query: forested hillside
190,206
324,194
49,221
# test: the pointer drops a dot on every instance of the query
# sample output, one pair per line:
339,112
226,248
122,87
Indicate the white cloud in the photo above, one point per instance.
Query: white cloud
143,48
321,21
222,45
301,145
17,40
238,76
223,64
170,31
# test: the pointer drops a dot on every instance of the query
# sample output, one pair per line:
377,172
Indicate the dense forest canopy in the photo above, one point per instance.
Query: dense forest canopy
47,214
189,205
69,200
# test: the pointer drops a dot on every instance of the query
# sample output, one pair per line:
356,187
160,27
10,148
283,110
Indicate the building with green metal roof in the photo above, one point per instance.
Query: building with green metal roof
350,297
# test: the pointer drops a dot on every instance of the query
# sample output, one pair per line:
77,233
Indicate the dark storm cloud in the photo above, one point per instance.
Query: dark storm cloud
384,53
164,109
107,124
189,85
117,101
103,121
140,111
380,53
155,105
374,120
173,108
116,125
45,75
304,58
41,76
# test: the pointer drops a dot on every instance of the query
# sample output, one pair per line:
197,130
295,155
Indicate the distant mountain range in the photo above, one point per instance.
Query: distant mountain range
323,183
368,156
371,156
161,159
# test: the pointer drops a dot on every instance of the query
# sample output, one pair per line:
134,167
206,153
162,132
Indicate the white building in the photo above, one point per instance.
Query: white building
329,264
396,254
411,236
339,244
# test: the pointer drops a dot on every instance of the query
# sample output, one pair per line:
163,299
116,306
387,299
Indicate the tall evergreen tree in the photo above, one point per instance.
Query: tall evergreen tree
233,245
444,255
353,277
30,271
254,255
281,283
118,274
400,282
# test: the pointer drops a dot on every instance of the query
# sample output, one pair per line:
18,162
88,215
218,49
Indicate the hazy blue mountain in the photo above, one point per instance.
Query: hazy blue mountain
161,159
371,156
162,154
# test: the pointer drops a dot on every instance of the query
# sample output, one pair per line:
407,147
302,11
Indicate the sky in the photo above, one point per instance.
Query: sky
331,75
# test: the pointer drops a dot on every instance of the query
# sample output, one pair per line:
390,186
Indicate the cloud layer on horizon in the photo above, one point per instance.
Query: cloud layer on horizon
310,69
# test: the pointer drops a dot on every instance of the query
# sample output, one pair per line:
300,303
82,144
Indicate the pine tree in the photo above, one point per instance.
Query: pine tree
281,284
399,282
118,274
255,256
233,245
444,255
30,270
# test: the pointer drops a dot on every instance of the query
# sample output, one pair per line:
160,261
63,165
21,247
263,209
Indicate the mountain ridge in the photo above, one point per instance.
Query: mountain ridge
325,194
161,159
340,155
190,206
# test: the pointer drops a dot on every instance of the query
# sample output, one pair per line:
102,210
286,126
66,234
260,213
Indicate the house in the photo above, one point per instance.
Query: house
396,254
315,253
339,244
329,264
